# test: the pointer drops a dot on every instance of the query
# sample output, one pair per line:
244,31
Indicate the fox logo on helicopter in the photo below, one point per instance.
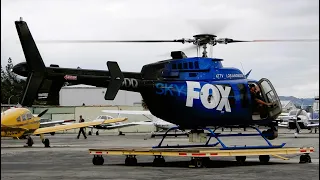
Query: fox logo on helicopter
218,98
211,96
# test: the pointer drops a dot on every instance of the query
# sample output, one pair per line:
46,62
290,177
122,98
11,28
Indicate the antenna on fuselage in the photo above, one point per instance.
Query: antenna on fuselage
242,68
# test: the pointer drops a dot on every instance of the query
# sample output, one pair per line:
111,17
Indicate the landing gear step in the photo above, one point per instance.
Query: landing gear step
200,157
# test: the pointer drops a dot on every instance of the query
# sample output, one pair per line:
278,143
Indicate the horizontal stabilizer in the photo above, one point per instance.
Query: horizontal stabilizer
115,82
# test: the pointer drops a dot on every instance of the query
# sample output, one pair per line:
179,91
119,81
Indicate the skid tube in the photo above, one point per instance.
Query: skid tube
219,141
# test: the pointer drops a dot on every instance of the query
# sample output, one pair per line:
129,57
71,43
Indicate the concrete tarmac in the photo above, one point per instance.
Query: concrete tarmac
68,158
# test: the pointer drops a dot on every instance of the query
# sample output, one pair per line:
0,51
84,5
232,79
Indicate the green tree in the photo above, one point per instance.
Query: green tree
11,85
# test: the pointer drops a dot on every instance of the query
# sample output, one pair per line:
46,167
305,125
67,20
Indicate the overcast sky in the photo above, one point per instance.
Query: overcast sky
293,68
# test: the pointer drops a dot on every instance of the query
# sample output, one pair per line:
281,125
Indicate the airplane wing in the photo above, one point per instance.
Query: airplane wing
122,125
313,125
314,120
282,125
76,125
45,124
127,112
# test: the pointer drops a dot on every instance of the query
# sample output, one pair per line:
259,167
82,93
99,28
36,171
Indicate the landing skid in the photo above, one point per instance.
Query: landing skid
219,141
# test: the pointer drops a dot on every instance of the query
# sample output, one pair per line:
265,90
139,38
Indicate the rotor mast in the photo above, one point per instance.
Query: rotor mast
202,40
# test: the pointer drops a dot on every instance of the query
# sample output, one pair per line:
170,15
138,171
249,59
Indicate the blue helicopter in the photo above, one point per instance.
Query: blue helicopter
195,93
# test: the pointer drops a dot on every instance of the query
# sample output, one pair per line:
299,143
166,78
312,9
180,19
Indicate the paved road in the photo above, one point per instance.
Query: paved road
68,158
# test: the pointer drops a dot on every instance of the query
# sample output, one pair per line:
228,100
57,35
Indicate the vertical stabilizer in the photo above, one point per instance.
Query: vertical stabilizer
36,66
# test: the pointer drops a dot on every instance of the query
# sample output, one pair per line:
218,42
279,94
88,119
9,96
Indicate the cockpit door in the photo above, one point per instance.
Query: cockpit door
270,95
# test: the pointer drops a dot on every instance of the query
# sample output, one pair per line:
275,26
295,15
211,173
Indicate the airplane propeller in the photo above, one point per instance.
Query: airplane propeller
42,113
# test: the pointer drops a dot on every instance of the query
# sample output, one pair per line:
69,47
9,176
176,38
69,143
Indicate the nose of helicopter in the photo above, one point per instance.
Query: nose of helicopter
21,69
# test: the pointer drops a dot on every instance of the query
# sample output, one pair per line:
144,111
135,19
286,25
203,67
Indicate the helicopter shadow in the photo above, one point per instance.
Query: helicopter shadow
211,164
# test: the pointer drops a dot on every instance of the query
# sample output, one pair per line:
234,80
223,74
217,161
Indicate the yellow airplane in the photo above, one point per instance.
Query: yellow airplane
17,122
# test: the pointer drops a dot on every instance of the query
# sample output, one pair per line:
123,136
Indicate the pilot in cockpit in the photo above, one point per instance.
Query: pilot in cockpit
256,99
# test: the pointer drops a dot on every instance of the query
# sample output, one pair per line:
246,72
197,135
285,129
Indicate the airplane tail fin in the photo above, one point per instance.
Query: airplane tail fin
34,62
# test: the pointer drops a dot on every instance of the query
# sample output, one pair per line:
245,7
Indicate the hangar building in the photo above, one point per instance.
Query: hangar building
79,95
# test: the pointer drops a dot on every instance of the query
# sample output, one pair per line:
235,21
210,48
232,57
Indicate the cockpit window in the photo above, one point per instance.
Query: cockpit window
185,65
191,65
174,66
103,117
24,117
196,65
29,115
292,113
268,91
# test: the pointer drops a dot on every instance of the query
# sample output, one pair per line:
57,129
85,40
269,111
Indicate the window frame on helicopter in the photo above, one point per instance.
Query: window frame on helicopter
274,110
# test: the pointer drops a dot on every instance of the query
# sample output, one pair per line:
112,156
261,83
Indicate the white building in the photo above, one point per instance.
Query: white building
77,95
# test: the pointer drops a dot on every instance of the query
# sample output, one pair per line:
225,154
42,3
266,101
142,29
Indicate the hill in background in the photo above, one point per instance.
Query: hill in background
298,101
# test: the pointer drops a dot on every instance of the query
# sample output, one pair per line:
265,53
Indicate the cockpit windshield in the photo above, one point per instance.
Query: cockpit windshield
104,117
293,113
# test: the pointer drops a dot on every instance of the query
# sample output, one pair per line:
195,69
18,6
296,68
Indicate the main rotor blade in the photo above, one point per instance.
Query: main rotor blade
227,40
286,40
109,41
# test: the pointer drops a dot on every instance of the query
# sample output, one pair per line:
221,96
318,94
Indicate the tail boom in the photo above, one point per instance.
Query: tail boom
36,72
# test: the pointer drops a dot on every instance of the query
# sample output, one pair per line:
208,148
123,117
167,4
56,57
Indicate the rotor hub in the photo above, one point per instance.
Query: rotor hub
203,39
